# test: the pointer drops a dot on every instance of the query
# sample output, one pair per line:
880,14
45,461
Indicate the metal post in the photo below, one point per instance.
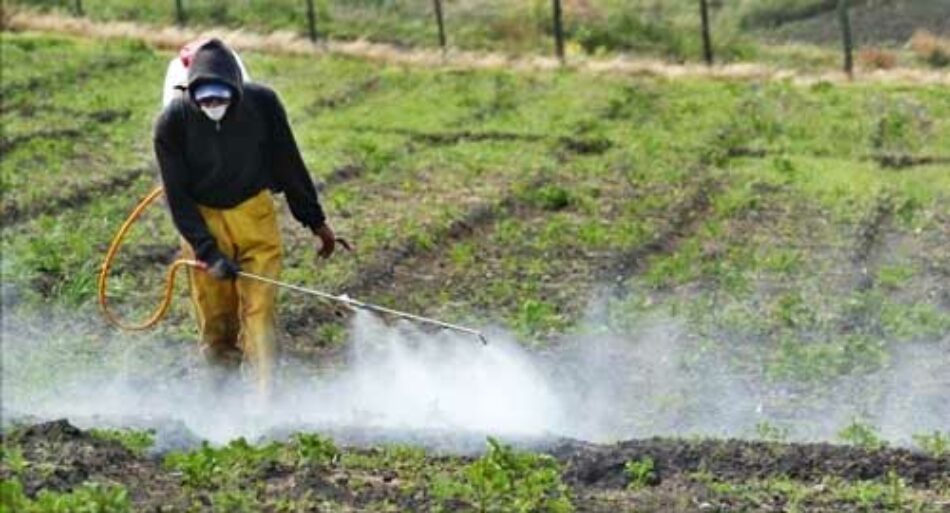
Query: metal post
179,12
441,22
558,31
844,19
707,39
312,21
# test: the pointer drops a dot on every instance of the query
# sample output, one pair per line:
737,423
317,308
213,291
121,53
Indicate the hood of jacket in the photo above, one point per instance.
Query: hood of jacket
213,61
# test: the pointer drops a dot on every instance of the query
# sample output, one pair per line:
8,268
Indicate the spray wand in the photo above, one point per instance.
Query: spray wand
162,309
360,305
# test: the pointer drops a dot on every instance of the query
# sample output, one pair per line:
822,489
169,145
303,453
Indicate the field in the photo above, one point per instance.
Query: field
694,258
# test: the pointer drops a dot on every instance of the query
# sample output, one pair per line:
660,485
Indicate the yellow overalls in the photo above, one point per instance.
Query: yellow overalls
236,318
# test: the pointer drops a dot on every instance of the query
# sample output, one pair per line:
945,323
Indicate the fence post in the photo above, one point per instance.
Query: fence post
707,39
179,12
558,31
844,19
312,21
79,9
441,21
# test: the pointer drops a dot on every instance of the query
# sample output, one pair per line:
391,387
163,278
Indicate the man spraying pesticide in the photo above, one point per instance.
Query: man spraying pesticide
223,146
222,149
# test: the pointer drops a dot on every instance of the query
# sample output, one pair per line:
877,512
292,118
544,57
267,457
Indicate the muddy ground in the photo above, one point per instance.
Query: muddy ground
687,475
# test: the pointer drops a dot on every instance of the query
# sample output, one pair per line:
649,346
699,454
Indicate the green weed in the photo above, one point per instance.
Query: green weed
234,501
462,254
891,493
139,442
331,334
936,444
12,457
90,497
548,197
861,435
506,480
902,127
313,449
210,468
536,317
767,431
640,473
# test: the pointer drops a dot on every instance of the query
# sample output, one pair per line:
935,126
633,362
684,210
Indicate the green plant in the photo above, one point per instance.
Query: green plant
136,441
891,494
862,435
640,473
88,498
234,501
462,254
506,480
792,310
893,276
548,197
199,468
13,458
768,431
209,467
936,444
535,316
313,449
902,127
331,334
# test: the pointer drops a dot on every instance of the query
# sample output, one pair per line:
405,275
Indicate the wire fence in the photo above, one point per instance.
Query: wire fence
679,29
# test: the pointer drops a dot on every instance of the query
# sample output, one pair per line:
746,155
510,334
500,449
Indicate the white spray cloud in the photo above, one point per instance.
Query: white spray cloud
401,384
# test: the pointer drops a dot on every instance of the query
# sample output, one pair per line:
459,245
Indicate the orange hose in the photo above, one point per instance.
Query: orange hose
162,309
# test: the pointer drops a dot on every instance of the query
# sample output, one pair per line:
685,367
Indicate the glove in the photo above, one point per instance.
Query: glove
224,269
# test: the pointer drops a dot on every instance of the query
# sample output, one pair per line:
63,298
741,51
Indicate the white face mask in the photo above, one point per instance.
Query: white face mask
215,113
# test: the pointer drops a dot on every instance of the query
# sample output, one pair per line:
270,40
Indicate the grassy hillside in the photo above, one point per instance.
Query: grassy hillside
797,236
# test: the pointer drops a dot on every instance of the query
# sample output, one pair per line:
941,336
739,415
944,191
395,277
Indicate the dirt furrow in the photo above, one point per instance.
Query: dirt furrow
574,144
885,160
7,145
870,238
14,214
903,161
33,86
349,95
682,222
604,466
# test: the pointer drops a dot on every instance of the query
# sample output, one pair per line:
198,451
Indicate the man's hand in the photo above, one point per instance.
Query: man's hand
328,241
224,269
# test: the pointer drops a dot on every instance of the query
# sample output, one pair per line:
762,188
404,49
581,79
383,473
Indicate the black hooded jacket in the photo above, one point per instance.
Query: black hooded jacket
221,164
